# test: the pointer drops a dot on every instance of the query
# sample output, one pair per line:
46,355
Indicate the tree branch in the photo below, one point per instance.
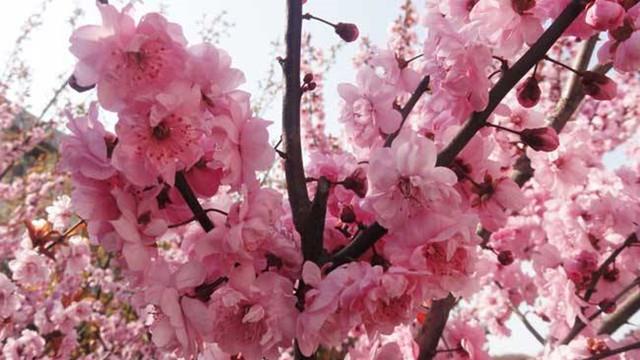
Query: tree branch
192,201
621,315
313,235
579,325
620,350
433,327
293,164
510,79
422,87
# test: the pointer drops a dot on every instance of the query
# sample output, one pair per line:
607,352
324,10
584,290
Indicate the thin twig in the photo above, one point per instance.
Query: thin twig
194,218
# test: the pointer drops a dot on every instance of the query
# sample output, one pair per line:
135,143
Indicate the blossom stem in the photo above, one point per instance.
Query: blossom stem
499,127
192,201
194,218
562,65
308,16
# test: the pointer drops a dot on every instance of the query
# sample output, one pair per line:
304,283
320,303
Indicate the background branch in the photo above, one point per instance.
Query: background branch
433,327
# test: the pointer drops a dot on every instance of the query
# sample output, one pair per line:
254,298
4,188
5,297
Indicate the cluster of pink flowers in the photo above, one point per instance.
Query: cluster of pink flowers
213,257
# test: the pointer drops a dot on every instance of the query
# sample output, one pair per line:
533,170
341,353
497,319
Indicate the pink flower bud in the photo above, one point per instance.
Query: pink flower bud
73,83
605,15
528,92
598,86
505,257
540,139
348,32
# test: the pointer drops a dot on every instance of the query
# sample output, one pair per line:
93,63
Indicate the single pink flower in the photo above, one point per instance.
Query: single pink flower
368,108
605,15
158,140
128,61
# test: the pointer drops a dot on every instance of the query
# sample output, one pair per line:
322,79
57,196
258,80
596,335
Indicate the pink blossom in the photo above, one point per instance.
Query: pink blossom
623,46
605,15
9,300
86,150
29,267
404,181
508,24
127,61
158,140
256,321
368,108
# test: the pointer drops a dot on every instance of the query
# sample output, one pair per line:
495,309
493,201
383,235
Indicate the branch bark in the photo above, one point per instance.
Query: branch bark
621,315
510,79
433,327
293,164
612,352
192,201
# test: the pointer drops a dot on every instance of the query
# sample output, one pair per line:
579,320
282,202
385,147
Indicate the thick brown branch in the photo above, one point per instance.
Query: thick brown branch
510,78
293,164
192,201
314,227
621,315
433,327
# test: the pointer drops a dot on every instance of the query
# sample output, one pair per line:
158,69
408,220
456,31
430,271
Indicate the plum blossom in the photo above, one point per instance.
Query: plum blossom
158,140
368,110
127,60
404,181
508,24
623,46
29,267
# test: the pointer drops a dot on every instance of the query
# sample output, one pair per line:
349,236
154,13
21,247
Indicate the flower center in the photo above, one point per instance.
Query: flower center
162,131
521,6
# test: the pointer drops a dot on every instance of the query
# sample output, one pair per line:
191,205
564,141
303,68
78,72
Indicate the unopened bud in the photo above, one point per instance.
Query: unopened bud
347,215
607,306
528,93
348,32
598,86
505,257
540,139
73,83
356,182
307,78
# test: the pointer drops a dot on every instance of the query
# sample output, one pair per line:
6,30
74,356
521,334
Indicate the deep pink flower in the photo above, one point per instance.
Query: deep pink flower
158,140
623,46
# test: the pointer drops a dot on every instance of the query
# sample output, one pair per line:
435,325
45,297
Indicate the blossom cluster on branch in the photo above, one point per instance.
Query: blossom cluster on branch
458,179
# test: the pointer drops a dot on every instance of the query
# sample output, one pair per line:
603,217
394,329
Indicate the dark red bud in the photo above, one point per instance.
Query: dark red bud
505,257
312,86
348,32
528,93
347,215
73,83
607,305
356,182
540,139
598,86
307,78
